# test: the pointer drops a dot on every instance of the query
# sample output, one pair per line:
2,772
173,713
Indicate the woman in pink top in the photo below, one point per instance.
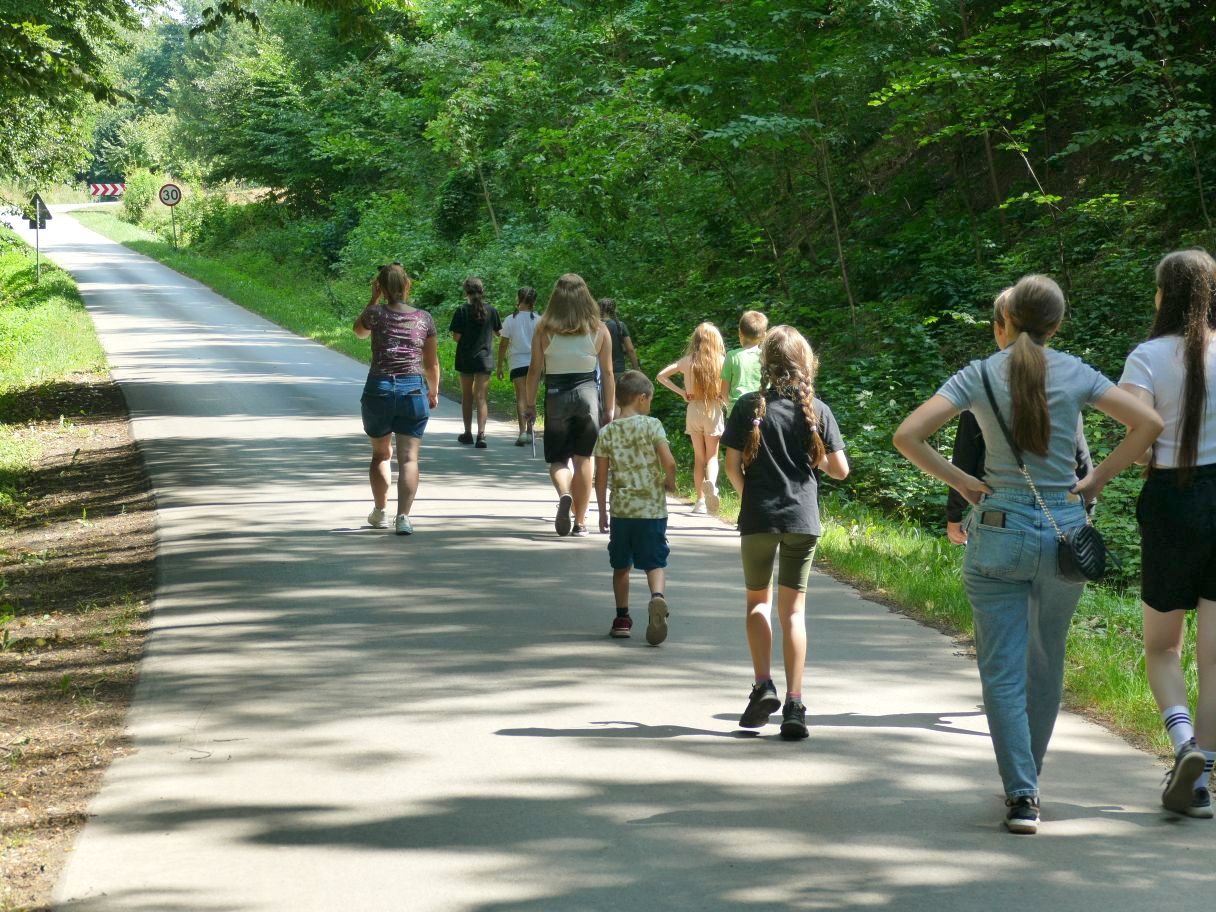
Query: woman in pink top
401,389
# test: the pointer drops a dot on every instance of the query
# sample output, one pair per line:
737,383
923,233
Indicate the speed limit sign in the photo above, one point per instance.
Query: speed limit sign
170,194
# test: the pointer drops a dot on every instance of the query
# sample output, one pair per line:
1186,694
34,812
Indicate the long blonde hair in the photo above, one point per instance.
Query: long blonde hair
705,355
1033,308
571,310
787,368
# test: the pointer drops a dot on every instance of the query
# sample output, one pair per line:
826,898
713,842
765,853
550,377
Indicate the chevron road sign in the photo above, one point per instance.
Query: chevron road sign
107,189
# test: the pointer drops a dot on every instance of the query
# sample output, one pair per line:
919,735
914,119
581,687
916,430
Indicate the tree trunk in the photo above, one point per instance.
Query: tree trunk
485,190
826,164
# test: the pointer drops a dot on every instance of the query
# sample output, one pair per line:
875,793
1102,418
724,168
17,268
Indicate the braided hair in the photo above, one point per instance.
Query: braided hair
787,368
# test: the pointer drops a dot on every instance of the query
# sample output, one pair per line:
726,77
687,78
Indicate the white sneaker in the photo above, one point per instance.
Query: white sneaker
699,506
404,526
377,519
710,492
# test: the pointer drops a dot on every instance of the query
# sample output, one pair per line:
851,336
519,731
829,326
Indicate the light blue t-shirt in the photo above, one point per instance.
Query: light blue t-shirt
1071,386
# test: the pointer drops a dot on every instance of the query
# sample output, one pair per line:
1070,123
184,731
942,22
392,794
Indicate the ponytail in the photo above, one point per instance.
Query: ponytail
475,291
1186,280
1033,309
1028,390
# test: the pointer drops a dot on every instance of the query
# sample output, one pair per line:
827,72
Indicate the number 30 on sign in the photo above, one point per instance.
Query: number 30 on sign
170,194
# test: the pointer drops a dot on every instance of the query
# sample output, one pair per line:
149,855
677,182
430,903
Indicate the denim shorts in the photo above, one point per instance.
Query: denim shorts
394,405
1177,539
640,543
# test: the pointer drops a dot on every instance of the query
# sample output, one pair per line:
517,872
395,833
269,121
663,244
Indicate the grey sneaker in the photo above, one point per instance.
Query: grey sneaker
656,630
762,703
404,526
1201,804
377,519
1179,785
1023,815
710,493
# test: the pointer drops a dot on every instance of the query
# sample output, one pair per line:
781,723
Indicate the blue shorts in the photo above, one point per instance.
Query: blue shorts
640,543
395,405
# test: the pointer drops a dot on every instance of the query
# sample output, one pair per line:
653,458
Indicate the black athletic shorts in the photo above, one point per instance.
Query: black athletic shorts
1177,539
517,372
572,416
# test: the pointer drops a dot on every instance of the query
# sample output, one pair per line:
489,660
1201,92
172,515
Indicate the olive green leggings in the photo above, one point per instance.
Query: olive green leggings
794,566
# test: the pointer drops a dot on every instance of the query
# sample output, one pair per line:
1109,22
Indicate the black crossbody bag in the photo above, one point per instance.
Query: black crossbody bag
1081,553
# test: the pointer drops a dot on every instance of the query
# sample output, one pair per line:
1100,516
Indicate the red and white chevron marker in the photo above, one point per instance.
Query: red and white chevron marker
107,189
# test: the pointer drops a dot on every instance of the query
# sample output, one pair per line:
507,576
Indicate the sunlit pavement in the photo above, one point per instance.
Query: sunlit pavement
337,718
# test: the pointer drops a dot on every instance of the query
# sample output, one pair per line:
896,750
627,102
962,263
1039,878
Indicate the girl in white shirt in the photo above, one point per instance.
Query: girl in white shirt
515,345
1175,372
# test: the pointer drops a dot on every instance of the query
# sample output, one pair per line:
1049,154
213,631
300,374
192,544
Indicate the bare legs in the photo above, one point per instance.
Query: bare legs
704,461
1163,642
473,389
791,606
576,482
379,471
521,401
656,579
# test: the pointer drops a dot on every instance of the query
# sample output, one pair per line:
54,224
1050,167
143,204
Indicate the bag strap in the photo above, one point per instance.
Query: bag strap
1017,454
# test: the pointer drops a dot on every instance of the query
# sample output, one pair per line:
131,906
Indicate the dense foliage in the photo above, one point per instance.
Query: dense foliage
872,171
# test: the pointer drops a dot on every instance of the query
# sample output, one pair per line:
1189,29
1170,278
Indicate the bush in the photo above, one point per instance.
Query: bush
142,185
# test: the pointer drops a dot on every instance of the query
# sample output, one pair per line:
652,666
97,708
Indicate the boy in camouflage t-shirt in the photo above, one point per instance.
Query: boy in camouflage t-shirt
634,449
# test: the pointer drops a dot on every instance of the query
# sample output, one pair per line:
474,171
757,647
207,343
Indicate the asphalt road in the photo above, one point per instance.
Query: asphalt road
331,717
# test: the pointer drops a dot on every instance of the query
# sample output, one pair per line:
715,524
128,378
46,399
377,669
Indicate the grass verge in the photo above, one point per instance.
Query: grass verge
76,571
891,561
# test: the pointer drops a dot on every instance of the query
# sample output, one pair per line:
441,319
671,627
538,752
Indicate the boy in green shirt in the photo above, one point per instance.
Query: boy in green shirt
741,369
634,449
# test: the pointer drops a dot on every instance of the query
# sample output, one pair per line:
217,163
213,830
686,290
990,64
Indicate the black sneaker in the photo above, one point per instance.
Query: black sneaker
481,442
793,721
562,523
762,703
1201,804
578,530
1180,781
1023,815
465,438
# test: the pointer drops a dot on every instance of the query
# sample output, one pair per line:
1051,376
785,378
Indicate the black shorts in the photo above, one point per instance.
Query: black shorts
1177,539
572,418
519,372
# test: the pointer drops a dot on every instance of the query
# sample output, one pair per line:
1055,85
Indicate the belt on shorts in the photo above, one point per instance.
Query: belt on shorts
564,383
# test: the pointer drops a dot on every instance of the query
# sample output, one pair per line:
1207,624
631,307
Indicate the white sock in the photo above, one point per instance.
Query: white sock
1202,781
1178,725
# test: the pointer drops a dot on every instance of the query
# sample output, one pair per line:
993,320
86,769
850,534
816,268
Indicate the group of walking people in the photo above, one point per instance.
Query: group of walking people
1021,469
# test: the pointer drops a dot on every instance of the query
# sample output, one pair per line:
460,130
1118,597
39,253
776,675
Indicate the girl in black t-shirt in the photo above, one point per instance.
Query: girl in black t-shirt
474,326
777,440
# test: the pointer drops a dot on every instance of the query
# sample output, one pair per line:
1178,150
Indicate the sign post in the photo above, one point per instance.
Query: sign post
171,195
38,221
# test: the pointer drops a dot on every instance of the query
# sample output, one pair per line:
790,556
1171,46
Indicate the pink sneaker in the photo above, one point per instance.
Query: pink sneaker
621,627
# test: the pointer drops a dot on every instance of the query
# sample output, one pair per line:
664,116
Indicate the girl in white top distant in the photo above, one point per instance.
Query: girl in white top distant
1175,372
569,342
706,419
515,345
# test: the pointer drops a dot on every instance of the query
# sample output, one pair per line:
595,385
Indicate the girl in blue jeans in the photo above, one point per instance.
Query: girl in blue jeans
1021,607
